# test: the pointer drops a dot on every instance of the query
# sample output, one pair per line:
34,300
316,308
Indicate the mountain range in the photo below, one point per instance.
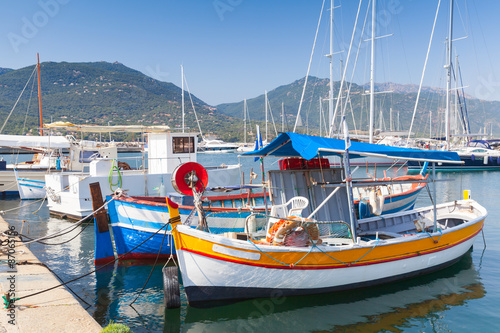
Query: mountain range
101,92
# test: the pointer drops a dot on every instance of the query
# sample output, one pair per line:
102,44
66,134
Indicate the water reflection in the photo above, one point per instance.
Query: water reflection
375,309
118,286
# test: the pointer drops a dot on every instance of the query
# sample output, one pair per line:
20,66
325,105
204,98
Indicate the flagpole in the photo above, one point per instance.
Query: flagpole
259,145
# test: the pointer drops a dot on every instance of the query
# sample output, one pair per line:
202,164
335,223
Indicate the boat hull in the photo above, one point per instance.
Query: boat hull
199,295
8,182
215,268
139,226
470,164
30,189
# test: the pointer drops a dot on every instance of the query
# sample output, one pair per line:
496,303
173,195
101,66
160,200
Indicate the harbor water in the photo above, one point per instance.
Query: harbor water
462,298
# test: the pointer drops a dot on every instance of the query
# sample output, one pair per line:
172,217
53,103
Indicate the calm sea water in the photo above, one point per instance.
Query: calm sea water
462,298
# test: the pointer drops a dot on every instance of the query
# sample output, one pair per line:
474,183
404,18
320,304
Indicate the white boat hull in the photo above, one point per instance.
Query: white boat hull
203,276
8,182
215,268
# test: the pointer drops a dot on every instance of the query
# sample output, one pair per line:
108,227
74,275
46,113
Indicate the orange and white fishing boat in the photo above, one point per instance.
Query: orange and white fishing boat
313,242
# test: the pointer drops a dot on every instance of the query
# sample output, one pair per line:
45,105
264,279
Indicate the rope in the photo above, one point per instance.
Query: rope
435,241
57,276
2,212
110,177
310,250
64,242
484,240
374,246
267,254
154,265
72,227
5,123
97,269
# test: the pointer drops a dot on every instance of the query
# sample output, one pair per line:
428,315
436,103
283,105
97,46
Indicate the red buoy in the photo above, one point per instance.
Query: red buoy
189,175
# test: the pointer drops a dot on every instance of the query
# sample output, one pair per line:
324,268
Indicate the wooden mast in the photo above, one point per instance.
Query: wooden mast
39,95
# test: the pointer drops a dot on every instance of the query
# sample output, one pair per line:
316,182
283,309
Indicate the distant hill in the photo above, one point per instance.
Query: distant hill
402,102
5,70
102,92
402,88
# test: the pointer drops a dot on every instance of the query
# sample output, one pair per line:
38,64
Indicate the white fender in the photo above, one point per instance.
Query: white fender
376,201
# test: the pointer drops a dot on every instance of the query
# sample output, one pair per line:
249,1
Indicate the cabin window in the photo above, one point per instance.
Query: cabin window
183,145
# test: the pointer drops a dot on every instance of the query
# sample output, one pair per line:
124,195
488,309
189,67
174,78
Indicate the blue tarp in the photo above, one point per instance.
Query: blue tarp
307,146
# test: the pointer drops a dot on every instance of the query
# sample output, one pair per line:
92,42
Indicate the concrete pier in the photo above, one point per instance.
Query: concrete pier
54,311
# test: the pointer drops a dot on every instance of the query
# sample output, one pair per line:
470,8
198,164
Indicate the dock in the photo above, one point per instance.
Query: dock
56,310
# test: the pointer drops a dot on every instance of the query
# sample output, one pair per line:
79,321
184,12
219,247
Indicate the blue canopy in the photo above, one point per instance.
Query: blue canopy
307,146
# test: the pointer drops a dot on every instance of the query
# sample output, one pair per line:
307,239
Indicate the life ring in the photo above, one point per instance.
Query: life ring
188,175
376,201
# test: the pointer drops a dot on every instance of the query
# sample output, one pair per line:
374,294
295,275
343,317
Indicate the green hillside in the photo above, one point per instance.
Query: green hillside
95,93
402,101
101,92
5,70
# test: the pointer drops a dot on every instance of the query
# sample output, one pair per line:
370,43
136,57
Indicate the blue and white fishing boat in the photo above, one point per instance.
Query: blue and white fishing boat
138,222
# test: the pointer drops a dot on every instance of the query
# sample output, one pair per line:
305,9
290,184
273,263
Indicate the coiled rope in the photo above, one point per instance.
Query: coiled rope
118,183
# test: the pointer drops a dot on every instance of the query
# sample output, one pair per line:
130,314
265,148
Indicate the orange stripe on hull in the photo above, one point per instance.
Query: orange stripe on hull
344,258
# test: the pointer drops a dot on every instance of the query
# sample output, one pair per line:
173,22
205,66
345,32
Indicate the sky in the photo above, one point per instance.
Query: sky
236,49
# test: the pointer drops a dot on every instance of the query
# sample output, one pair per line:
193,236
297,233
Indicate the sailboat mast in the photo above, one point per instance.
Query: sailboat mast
245,120
330,99
391,127
266,113
283,117
448,81
39,94
182,90
372,75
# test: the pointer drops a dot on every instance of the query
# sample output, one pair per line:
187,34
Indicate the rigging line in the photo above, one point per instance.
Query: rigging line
5,123
423,71
272,117
348,99
27,109
465,102
462,113
192,104
352,114
308,68
345,67
461,18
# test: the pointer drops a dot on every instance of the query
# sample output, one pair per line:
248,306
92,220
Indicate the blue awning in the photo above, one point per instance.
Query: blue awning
307,146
